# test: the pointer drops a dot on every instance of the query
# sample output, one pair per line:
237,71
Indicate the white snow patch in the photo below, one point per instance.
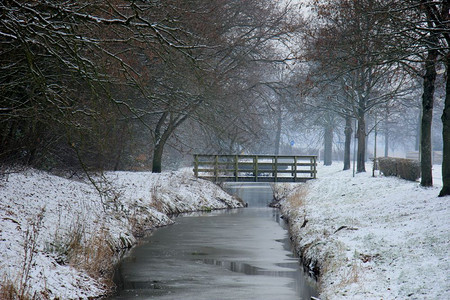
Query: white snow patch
372,237
41,214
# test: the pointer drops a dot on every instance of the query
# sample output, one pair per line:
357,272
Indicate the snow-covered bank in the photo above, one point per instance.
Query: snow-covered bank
371,238
58,236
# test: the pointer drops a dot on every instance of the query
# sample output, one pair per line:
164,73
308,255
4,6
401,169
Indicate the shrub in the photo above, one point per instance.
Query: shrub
408,169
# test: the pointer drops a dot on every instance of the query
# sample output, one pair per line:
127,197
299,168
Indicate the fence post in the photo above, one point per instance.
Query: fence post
313,167
255,167
216,167
295,168
196,165
276,168
236,167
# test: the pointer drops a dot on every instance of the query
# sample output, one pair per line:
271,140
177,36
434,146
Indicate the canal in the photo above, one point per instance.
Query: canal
231,254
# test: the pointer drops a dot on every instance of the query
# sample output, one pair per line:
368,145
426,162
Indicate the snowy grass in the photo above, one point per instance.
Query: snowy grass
59,238
372,237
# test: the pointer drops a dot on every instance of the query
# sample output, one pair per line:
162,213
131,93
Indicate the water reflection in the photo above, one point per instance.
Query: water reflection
248,269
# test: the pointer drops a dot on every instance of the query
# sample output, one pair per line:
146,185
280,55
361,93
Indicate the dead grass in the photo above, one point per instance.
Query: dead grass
8,291
351,275
19,288
95,257
296,202
297,198
155,202
158,205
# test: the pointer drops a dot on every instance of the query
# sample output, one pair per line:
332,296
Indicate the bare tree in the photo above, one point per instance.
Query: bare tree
241,39
419,37
343,48
84,74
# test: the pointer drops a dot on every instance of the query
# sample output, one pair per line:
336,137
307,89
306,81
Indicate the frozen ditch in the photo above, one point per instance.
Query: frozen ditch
230,254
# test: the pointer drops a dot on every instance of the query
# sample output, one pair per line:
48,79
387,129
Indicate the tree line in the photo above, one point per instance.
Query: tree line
376,59
108,84
113,85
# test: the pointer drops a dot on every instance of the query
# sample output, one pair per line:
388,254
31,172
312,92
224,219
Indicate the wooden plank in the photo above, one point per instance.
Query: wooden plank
252,179
262,156
297,171
251,168
281,164
219,171
246,163
206,163
304,164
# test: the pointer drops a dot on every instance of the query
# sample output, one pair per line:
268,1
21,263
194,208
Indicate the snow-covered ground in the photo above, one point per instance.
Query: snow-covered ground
371,237
58,236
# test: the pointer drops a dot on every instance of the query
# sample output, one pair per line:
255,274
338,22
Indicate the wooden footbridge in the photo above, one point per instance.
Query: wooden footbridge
255,168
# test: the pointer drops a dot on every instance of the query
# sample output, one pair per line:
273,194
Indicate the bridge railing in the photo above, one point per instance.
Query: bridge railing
255,168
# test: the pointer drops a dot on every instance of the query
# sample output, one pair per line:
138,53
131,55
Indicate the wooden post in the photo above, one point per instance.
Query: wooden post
216,168
236,167
313,167
276,168
295,168
196,165
255,167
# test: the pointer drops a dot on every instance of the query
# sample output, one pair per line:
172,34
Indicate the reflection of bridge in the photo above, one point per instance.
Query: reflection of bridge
255,168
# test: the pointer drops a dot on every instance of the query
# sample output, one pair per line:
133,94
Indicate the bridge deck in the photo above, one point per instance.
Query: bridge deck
255,168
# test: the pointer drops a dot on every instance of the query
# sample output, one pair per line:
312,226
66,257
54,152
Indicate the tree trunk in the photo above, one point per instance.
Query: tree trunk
427,116
446,137
386,143
166,125
418,130
278,133
366,146
348,138
328,145
118,158
157,158
361,153
386,133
